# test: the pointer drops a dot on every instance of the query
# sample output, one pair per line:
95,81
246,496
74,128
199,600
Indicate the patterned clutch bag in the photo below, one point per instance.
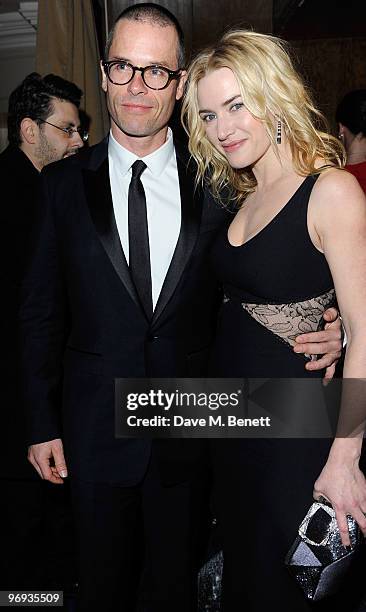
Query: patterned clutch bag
317,560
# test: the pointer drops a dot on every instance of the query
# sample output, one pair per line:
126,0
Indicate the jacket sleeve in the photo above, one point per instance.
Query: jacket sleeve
43,327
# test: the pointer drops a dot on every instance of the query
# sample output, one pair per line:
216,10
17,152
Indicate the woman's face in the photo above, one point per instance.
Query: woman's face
229,126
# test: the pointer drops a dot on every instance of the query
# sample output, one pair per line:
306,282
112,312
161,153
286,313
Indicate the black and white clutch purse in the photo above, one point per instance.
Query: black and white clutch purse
317,559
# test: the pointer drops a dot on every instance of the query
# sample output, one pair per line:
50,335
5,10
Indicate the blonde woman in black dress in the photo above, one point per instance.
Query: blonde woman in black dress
297,239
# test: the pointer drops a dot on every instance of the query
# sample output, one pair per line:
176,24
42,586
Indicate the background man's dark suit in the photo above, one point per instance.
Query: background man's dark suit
19,181
33,511
83,324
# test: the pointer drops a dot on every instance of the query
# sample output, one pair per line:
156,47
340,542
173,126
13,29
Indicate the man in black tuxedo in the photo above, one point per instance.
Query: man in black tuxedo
33,143
120,286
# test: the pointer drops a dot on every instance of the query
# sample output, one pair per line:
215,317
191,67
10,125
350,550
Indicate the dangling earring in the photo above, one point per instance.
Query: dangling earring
341,136
279,132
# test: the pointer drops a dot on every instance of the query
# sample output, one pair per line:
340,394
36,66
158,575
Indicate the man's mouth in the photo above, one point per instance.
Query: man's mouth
72,152
138,108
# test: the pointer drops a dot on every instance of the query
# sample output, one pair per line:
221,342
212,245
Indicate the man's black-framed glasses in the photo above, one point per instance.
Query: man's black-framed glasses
154,77
69,131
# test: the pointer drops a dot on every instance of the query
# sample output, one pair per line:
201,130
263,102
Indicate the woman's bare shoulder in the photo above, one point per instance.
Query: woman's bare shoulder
336,187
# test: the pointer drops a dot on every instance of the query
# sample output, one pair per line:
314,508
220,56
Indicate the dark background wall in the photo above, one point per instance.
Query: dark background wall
204,20
328,36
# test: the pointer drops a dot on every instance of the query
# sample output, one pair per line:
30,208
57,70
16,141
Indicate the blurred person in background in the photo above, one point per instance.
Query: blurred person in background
351,118
43,127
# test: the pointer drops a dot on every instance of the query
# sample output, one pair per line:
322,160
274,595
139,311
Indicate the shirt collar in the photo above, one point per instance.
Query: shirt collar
155,161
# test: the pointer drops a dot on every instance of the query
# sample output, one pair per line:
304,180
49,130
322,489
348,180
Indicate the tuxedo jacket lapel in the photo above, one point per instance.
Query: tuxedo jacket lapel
191,210
99,198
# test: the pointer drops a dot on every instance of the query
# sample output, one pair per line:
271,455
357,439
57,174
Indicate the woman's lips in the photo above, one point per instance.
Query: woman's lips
232,146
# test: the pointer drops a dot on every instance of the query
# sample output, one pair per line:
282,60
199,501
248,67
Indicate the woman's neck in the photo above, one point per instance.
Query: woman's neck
270,168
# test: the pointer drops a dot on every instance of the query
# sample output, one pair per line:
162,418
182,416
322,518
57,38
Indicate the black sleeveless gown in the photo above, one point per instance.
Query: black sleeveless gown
276,286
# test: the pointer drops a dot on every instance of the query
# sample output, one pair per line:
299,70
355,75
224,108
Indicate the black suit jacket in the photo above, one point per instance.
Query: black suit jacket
83,325
19,181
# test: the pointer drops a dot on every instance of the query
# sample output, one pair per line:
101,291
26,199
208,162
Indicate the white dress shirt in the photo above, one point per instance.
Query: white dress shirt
163,204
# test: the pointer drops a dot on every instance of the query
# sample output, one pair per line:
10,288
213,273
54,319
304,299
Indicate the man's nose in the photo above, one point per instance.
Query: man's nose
137,85
77,139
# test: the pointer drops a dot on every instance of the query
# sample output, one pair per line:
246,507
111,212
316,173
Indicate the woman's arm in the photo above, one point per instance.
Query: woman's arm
337,218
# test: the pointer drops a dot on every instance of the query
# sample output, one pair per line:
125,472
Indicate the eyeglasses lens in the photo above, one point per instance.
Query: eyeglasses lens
154,77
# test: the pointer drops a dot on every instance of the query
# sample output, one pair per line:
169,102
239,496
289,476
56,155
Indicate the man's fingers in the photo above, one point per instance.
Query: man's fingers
59,459
45,469
328,335
40,463
318,348
38,470
331,314
314,337
329,373
324,362
49,461
61,469
56,478
35,465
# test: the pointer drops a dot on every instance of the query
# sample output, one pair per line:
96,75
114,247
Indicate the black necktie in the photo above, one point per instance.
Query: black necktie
138,236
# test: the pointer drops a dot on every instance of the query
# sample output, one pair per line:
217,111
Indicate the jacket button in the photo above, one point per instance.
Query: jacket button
152,338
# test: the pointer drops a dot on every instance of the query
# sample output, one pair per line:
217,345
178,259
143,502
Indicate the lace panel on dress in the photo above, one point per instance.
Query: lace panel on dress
290,320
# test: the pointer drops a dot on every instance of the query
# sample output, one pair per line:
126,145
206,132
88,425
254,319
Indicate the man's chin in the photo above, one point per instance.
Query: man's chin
136,129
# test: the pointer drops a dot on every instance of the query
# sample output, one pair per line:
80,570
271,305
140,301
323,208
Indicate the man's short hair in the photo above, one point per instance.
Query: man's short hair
151,13
351,111
34,98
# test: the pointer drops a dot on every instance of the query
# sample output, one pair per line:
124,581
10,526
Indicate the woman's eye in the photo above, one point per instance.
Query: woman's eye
237,106
209,117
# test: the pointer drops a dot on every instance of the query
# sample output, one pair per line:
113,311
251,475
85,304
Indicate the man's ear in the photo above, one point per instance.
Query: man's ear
29,130
181,84
104,78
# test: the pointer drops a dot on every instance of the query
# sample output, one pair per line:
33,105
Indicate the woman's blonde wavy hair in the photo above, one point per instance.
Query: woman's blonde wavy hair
270,87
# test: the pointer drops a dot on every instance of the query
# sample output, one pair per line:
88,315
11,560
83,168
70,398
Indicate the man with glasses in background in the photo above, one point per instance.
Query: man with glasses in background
123,257
43,122
43,127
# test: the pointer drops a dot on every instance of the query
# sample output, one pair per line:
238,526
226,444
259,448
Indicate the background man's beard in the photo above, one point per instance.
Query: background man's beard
45,153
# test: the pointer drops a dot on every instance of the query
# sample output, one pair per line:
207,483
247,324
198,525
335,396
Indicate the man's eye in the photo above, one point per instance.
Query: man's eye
122,66
157,71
